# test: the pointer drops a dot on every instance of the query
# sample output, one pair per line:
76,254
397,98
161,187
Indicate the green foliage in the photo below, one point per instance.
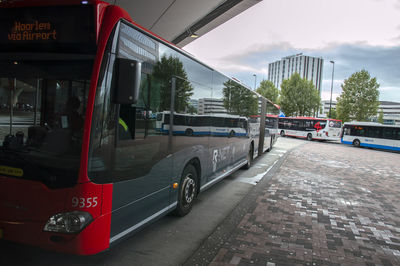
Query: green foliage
268,90
299,97
163,71
380,116
359,99
333,113
238,100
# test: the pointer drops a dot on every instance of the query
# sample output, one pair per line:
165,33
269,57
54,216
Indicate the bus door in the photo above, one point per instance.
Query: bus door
143,166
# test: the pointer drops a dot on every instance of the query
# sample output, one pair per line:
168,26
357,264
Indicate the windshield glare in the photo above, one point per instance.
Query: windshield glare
41,127
334,123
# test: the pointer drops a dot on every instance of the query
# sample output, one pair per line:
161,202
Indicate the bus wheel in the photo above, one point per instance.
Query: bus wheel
282,133
271,145
309,136
356,143
189,132
249,158
187,191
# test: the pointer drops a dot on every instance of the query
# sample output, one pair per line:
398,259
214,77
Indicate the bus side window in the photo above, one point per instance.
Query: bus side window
126,122
388,133
361,132
374,132
397,134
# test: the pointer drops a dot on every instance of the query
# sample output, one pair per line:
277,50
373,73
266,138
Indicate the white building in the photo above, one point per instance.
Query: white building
325,108
210,105
391,111
308,67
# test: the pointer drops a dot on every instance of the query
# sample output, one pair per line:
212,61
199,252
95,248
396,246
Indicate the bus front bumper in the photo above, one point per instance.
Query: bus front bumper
91,240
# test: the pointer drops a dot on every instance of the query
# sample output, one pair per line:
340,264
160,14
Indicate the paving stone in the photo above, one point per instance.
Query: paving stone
328,204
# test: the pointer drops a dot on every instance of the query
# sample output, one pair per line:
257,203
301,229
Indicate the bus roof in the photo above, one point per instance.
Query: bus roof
310,118
372,124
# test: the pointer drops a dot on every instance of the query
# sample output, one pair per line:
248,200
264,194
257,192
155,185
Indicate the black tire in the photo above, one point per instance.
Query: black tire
356,143
187,191
282,133
249,158
271,144
309,137
189,132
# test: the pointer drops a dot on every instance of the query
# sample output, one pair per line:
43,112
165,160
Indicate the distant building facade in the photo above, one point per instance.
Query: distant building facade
308,67
391,111
210,105
325,108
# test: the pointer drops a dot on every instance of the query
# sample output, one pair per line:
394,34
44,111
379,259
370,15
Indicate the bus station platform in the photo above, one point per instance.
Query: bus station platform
322,204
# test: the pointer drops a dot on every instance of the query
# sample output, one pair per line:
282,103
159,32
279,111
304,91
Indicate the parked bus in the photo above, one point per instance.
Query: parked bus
85,166
271,127
310,128
193,124
372,135
271,122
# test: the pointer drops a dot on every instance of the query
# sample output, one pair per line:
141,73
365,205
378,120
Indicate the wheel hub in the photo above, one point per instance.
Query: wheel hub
190,188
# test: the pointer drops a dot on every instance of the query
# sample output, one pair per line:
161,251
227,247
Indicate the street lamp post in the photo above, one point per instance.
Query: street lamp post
330,102
255,81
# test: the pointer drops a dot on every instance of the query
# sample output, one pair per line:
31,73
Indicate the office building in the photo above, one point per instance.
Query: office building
325,108
391,111
308,67
211,106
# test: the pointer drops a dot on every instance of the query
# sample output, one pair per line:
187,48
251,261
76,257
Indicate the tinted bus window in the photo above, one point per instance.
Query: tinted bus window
389,133
374,132
336,124
358,131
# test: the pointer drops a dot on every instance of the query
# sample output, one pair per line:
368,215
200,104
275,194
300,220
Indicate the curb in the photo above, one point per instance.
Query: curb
213,243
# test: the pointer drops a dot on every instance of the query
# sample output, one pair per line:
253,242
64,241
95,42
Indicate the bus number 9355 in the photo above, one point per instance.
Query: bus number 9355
84,202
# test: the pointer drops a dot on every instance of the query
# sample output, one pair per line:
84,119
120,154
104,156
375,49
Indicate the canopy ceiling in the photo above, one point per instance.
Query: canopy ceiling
177,20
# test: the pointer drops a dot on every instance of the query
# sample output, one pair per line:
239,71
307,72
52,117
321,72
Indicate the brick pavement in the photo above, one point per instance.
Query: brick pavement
328,204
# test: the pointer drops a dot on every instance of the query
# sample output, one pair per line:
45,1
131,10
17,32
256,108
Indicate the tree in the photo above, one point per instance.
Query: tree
333,113
380,116
163,71
360,97
238,100
268,90
299,96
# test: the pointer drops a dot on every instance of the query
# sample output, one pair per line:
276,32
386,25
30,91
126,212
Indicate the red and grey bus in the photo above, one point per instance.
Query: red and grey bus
310,128
82,164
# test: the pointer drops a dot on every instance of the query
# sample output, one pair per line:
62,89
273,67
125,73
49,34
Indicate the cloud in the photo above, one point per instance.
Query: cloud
381,62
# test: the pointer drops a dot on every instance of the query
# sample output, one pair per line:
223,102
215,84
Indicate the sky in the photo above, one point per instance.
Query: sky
355,34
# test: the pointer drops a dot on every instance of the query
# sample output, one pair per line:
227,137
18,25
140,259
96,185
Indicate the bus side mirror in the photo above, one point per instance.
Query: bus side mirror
126,81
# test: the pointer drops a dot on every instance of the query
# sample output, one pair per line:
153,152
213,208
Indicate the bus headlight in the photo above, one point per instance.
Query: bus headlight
69,222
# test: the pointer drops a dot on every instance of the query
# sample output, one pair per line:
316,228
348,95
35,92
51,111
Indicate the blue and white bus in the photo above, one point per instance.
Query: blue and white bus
372,135
197,125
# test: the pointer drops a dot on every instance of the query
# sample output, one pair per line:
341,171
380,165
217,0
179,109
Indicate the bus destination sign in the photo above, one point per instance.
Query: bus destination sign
37,31
54,29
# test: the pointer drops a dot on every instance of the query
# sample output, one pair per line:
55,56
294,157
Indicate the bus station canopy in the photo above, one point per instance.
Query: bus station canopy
181,21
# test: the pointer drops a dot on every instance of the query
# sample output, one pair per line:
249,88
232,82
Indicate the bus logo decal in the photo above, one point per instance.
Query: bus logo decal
318,127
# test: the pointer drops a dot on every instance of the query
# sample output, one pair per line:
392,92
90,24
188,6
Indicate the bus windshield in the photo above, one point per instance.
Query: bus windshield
42,108
335,123
45,68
